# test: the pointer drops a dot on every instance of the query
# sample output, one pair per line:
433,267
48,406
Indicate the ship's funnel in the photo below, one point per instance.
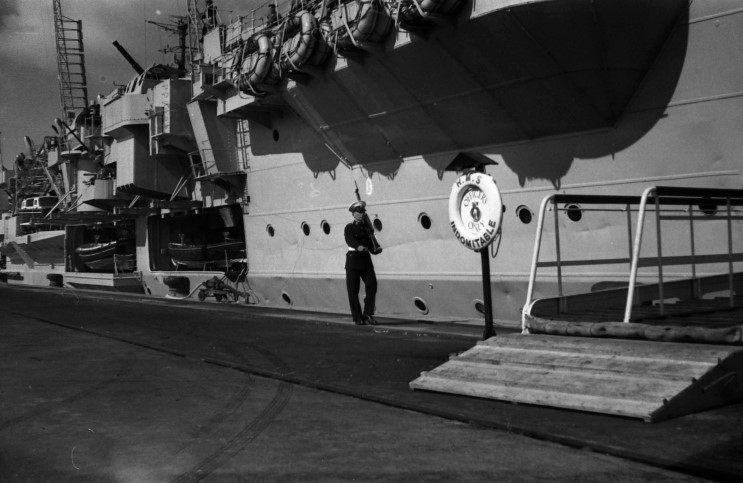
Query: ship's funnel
138,68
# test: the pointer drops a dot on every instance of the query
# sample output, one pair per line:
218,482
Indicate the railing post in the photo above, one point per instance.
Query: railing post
557,248
636,252
697,289
534,261
659,243
629,233
730,255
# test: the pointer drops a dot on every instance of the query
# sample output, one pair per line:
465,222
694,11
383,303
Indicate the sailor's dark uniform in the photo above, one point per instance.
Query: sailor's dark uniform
359,267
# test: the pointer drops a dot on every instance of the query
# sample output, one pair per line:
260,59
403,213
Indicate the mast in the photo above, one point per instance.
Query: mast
73,87
178,26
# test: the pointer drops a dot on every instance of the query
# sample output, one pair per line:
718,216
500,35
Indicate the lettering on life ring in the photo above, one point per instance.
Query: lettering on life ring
475,210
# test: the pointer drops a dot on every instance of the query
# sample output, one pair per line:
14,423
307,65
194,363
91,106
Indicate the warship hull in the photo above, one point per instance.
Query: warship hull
571,97
546,97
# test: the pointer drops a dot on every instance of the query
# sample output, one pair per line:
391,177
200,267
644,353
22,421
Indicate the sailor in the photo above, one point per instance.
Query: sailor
359,266
273,18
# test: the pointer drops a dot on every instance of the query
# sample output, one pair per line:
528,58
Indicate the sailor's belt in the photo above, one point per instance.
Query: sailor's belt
351,249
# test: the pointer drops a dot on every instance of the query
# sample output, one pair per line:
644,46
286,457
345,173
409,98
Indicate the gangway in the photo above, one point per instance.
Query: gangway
648,301
652,351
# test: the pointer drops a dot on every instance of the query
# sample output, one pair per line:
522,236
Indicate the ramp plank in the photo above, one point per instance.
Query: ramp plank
643,379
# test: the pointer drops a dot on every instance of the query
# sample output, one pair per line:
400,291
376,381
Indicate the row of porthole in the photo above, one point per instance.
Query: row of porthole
524,214
575,212
423,218
418,302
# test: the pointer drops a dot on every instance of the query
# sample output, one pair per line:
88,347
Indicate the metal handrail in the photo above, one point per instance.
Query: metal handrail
657,195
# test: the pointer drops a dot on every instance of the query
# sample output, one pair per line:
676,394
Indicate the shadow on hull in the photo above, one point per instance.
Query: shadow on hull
529,72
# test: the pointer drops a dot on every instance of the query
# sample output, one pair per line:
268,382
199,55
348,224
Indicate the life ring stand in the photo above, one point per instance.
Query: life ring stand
475,210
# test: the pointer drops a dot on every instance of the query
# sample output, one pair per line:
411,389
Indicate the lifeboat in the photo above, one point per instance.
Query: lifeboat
299,39
370,26
96,251
255,65
199,255
420,11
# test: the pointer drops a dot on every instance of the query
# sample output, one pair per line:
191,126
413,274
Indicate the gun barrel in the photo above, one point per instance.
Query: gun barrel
138,68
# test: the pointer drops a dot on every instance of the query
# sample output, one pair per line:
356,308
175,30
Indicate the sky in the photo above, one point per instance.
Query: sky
29,86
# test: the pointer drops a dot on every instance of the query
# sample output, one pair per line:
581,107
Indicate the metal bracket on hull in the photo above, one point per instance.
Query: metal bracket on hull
263,114
469,160
22,253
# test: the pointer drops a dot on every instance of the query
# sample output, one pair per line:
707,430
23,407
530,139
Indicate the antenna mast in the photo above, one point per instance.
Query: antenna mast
179,26
73,87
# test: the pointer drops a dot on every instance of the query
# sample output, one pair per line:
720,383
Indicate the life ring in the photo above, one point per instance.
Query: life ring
298,49
475,210
255,66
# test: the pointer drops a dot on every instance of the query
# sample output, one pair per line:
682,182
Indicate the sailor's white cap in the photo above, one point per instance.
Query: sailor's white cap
357,206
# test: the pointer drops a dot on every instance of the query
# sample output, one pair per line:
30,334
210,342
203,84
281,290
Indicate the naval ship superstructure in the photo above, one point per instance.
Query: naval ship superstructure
245,157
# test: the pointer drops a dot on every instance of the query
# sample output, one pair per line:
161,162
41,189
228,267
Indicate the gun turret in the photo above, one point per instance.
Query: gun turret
138,68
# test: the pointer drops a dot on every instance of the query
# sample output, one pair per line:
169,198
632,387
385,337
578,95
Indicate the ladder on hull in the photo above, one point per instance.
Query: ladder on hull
633,378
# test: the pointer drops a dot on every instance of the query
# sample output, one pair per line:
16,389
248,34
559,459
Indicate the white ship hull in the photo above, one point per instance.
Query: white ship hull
681,127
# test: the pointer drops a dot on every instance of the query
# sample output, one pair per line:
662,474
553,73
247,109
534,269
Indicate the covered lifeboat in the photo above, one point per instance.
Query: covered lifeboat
424,11
364,25
255,64
298,39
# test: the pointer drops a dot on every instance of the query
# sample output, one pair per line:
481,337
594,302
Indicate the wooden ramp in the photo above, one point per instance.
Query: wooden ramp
635,378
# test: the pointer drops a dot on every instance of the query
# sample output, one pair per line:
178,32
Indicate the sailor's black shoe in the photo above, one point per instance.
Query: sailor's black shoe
358,322
370,320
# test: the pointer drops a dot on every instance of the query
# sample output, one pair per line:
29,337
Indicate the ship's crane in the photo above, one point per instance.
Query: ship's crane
73,86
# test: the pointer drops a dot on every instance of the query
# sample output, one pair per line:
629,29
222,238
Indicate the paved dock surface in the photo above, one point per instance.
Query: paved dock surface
102,387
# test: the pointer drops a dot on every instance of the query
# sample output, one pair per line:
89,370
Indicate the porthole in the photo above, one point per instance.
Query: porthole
275,135
286,298
270,230
424,220
325,227
524,214
709,208
574,212
420,304
377,224
305,228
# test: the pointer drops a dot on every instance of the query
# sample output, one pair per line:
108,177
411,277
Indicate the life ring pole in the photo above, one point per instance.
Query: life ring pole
487,298
489,330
